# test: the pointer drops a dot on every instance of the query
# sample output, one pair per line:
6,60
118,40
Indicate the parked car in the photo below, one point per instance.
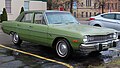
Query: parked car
60,30
109,20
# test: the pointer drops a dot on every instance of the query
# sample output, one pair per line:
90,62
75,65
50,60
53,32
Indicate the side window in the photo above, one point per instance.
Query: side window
109,16
39,19
118,16
27,18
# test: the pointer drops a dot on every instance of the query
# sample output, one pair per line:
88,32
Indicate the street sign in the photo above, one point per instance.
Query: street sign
75,5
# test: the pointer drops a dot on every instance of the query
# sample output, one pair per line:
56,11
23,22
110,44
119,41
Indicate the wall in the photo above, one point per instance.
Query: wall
2,4
37,5
17,4
15,9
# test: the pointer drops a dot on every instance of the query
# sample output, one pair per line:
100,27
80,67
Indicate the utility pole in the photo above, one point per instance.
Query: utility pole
71,6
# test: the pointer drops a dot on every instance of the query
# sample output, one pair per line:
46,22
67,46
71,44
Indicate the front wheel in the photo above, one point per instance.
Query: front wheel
63,48
16,39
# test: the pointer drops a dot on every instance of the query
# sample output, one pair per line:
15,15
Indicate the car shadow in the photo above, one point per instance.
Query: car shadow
76,59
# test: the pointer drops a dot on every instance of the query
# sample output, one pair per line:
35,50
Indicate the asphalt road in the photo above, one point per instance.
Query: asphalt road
76,60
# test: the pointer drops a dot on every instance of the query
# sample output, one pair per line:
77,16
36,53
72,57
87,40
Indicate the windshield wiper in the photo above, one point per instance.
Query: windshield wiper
69,22
58,23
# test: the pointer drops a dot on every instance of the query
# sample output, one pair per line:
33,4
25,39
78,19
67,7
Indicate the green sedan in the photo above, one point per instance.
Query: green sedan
60,30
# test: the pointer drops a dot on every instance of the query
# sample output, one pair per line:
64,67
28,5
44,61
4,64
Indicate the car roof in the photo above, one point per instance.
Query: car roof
45,11
36,11
112,12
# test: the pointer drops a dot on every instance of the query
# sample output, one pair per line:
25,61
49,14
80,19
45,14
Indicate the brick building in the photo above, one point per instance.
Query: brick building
88,8
111,5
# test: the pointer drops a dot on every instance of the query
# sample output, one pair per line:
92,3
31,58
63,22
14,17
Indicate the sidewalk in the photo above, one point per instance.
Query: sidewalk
9,61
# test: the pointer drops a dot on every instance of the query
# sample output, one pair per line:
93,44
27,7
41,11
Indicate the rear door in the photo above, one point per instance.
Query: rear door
24,26
109,20
117,26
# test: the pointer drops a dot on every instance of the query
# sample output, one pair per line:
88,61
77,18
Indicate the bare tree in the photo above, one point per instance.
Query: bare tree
99,4
71,6
49,4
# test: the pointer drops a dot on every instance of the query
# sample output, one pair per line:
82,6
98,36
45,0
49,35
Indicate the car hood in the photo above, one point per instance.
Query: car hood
84,29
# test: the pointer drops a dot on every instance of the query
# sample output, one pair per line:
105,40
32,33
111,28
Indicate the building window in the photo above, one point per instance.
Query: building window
8,6
90,14
26,5
115,5
108,5
94,13
86,14
112,6
82,4
88,2
82,14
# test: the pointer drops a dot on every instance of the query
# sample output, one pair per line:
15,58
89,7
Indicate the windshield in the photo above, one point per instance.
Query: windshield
60,18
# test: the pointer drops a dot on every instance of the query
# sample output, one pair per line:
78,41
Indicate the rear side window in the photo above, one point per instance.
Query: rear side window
27,18
109,16
118,16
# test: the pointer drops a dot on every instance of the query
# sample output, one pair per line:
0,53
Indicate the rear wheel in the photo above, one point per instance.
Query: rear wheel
63,48
16,39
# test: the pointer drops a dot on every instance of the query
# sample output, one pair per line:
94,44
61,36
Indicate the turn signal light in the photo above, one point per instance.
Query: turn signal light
75,41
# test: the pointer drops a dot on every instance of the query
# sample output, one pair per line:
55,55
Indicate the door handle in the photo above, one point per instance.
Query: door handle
18,25
118,23
30,26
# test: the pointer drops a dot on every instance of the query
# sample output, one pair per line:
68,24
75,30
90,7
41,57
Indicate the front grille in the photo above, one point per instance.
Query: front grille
98,38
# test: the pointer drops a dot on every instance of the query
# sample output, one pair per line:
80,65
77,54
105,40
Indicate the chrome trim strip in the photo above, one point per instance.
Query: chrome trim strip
99,41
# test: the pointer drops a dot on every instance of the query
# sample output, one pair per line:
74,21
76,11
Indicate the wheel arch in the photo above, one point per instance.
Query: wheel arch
97,25
57,38
93,23
11,32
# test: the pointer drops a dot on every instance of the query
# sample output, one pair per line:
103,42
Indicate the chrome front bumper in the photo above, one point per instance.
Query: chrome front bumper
87,48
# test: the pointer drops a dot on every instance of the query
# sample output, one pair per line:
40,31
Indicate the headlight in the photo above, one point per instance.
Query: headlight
115,35
85,39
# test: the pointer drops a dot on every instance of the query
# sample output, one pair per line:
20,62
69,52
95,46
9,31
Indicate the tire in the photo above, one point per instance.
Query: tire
16,39
63,48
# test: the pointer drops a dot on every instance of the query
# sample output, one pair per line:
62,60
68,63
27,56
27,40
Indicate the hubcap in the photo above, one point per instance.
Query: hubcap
15,38
61,49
